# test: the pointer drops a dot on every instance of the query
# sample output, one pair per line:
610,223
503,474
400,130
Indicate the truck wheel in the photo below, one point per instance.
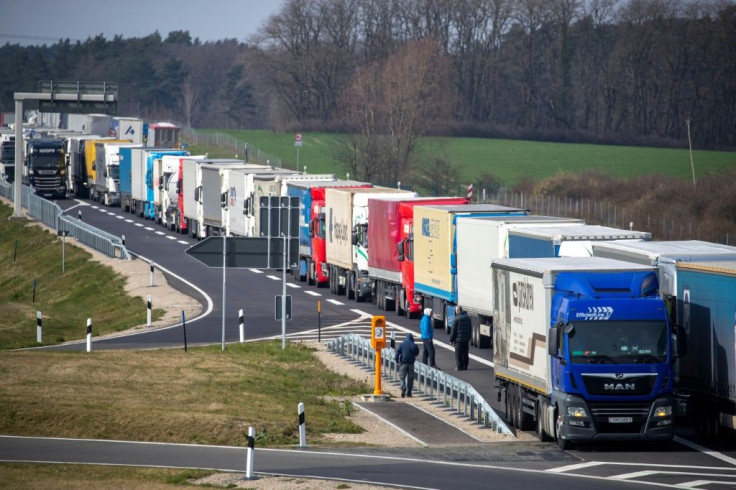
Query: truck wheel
446,325
348,285
543,437
526,421
400,304
563,444
474,335
310,273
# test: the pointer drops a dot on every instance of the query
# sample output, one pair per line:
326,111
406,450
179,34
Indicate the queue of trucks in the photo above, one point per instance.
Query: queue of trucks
597,333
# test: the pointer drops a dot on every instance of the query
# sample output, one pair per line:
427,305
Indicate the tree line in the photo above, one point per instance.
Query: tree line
388,71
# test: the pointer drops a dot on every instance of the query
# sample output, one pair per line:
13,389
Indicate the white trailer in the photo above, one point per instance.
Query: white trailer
552,241
480,241
246,186
346,247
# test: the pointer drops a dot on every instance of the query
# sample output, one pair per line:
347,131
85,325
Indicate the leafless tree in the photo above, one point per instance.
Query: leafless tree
189,99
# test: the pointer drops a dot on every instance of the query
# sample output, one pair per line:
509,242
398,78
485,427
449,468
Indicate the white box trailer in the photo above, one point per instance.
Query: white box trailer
664,255
246,186
552,241
192,192
218,195
346,215
480,241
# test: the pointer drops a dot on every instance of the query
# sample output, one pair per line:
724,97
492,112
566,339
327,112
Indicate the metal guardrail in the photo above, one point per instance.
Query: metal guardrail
50,214
242,148
455,394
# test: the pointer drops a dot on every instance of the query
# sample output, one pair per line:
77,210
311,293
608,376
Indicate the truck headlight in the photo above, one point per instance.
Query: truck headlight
663,411
577,412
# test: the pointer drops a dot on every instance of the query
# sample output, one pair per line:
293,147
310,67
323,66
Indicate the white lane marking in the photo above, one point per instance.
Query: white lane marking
700,483
335,302
109,213
160,233
573,467
119,217
183,242
312,293
399,429
295,286
274,278
171,237
139,225
257,271
148,228
705,450
128,220
635,474
95,207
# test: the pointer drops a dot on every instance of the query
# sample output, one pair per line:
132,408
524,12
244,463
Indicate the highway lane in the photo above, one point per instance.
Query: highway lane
467,467
254,291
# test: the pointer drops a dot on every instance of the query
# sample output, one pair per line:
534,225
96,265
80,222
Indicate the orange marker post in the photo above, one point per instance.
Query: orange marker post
378,342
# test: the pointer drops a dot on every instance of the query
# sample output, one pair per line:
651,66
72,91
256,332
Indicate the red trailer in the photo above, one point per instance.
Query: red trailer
390,257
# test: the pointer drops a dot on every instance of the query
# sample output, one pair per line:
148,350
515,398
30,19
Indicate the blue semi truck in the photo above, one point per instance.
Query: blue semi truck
584,350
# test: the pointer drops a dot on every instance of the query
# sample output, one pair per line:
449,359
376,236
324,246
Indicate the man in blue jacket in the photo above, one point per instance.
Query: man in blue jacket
406,354
427,330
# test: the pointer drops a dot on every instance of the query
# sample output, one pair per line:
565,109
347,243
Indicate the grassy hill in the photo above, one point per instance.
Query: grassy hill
509,160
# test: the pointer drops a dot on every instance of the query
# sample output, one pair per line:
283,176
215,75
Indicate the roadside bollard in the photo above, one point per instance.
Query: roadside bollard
153,281
249,454
89,335
39,323
148,311
241,324
302,427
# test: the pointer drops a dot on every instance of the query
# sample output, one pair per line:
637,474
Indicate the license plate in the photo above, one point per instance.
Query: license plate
620,420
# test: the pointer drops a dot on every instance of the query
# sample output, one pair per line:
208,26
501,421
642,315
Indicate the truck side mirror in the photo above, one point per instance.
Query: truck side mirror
552,344
196,193
400,250
354,238
311,229
246,206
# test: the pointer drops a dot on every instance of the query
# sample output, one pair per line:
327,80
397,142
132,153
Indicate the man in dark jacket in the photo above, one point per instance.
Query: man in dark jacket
406,354
462,329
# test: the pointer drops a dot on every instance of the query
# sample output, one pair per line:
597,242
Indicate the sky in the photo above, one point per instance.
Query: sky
33,22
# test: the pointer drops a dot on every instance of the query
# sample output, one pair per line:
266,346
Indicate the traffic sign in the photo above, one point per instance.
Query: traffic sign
278,306
245,252
298,139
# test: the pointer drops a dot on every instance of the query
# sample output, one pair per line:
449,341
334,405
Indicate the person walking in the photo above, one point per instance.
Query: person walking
427,330
406,354
462,329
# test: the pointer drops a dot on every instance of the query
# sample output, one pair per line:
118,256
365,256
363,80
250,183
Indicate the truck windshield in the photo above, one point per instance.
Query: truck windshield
7,153
618,342
114,172
52,161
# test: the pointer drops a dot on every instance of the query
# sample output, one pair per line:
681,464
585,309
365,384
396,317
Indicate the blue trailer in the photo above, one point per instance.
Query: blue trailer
565,241
126,193
706,375
583,349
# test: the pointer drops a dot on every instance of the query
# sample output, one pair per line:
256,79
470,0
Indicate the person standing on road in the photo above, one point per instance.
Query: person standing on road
406,354
462,329
427,330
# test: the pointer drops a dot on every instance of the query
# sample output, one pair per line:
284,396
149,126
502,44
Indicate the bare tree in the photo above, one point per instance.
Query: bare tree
189,99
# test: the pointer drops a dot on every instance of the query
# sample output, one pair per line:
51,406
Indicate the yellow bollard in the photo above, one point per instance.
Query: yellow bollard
378,342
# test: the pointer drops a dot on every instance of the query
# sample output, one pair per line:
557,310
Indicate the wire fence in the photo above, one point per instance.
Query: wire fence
50,214
453,393
241,148
660,223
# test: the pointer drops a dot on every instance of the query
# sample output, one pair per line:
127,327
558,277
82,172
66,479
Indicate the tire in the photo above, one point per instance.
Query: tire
526,421
310,273
349,291
400,304
446,325
541,435
107,200
474,336
563,444
483,341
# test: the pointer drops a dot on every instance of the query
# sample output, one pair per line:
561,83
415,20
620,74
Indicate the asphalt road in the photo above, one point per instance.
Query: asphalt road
689,460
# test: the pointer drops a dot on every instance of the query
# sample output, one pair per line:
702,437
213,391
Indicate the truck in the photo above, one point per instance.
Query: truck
45,169
435,255
7,156
391,246
163,135
583,350
106,187
311,195
276,185
90,160
193,192
125,158
563,241
346,251
706,375
478,242
170,193
244,190
127,127
145,178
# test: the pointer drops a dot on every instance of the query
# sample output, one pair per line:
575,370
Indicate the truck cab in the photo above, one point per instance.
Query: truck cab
45,168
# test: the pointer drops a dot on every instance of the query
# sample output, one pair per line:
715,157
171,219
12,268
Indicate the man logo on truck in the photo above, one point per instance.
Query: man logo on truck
619,386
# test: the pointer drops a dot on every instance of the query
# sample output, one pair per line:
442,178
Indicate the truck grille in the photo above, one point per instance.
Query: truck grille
612,386
604,412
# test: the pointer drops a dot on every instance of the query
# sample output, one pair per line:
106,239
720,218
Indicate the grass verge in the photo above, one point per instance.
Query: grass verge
203,396
66,299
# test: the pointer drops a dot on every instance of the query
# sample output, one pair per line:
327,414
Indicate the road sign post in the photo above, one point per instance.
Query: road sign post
378,342
298,144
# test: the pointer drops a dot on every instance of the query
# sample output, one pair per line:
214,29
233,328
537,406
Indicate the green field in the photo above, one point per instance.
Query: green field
509,160
85,289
